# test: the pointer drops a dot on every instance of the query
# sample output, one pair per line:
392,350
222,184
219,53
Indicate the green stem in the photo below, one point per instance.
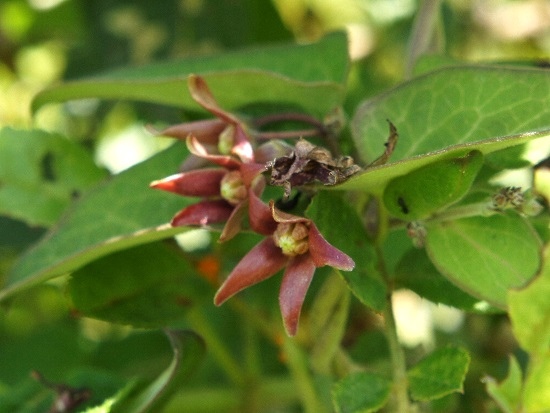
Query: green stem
302,379
425,35
216,347
454,213
400,401
273,393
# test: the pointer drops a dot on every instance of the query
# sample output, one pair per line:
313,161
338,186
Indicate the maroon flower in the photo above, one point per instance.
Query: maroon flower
293,242
225,135
225,191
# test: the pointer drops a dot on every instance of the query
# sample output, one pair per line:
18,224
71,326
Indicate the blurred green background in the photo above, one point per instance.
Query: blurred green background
43,42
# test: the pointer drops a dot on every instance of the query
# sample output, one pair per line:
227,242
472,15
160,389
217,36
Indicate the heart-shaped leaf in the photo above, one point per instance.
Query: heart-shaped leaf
453,106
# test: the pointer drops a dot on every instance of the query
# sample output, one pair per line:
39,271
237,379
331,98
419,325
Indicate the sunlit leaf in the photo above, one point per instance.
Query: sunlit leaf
41,173
485,256
440,373
536,392
424,191
290,74
507,393
374,180
530,312
361,393
146,286
123,212
452,106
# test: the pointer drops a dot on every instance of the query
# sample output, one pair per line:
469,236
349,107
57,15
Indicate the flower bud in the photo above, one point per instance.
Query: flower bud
292,238
232,188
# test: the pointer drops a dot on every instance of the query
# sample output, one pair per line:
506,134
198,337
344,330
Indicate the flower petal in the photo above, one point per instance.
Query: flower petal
283,217
201,94
259,215
203,213
233,224
323,253
261,262
249,171
242,146
296,281
206,131
196,148
200,182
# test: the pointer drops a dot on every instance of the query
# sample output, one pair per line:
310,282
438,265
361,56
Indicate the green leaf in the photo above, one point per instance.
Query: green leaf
529,310
147,286
430,188
507,393
416,272
188,350
361,393
123,212
440,373
374,180
453,106
40,173
291,74
536,392
485,256
341,226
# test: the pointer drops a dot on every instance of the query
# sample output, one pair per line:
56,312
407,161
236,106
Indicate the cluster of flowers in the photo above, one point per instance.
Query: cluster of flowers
234,188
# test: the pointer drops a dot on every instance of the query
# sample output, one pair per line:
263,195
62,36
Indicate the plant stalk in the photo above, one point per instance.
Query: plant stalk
400,402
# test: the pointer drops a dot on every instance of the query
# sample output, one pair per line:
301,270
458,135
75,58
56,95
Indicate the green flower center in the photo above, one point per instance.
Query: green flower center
292,238
232,188
226,140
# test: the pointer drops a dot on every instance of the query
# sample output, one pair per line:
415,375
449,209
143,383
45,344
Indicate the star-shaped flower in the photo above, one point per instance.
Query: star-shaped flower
293,242
224,135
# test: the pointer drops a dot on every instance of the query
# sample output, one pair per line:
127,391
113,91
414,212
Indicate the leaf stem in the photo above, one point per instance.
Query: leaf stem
216,346
299,370
400,401
425,34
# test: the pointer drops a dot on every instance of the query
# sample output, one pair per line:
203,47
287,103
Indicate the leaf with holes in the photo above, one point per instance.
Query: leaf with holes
41,173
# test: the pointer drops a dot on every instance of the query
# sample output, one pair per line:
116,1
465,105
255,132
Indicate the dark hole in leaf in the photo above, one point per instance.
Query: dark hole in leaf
75,194
46,165
402,205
